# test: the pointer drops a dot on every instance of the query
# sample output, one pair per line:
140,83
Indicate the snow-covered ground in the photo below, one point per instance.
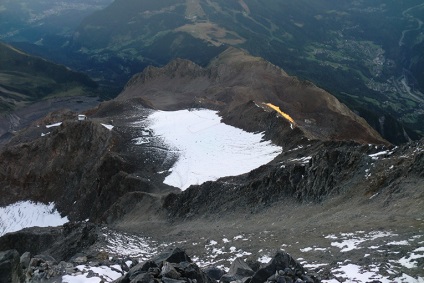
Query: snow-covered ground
98,274
390,257
206,148
25,214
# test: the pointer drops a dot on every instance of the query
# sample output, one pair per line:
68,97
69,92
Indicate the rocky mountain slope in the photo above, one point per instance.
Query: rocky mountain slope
30,87
235,81
334,192
93,159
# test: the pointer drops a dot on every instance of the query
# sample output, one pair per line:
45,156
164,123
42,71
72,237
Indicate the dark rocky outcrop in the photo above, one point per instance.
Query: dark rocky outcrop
239,271
331,169
79,166
172,266
282,268
61,243
33,240
325,174
10,267
75,159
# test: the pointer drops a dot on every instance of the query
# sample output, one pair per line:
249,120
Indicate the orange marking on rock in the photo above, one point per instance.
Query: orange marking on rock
283,114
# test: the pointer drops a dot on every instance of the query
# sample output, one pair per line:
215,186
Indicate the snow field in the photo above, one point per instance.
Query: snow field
207,149
25,214
101,274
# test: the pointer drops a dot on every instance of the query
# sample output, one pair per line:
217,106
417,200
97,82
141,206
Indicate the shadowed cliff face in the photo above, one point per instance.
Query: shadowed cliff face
63,166
234,80
77,165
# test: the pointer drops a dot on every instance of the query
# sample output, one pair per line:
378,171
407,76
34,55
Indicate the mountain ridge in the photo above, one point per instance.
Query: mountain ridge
180,85
327,184
31,87
234,78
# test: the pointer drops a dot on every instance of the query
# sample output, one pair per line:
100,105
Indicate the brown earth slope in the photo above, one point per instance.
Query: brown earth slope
234,79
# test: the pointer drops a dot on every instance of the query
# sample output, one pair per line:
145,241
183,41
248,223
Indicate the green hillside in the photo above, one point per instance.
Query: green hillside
25,79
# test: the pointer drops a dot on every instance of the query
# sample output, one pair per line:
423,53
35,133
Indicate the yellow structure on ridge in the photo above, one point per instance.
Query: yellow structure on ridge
285,115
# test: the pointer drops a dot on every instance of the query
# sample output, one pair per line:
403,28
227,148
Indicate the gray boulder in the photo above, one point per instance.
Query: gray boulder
239,271
25,259
282,268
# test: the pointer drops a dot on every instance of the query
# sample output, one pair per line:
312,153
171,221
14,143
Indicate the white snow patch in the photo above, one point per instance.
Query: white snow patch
104,274
409,262
374,195
420,249
355,273
296,148
129,245
305,250
351,241
265,259
81,278
399,243
141,140
320,249
376,156
208,149
303,160
331,236
25,214
107,126
314,265
54,125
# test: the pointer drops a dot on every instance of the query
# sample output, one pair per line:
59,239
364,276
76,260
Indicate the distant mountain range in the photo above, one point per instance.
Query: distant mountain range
36,21
369,55
31,87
